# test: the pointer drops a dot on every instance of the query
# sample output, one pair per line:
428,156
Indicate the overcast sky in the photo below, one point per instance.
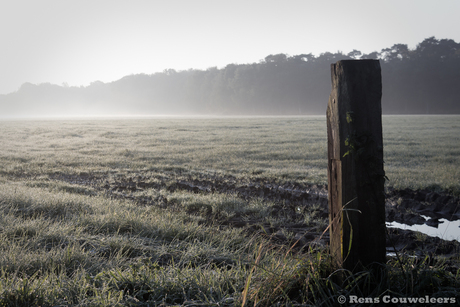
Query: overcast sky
80,41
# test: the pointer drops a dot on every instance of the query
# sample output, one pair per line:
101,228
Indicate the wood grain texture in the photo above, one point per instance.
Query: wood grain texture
355,164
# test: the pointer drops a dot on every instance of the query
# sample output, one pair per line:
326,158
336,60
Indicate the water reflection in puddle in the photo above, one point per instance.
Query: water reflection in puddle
446,230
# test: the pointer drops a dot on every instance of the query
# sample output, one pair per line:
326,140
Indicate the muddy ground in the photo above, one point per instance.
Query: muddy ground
403,206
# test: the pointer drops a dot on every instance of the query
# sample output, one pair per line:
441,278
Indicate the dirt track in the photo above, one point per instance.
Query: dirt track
403,206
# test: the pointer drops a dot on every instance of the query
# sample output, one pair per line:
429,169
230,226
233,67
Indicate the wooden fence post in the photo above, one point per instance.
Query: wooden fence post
355,165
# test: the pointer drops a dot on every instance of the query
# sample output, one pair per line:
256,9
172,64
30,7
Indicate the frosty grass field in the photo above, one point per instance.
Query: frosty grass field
67,237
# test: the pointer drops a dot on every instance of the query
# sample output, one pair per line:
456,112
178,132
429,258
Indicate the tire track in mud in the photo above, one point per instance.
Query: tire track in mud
290,194
289,199
403,206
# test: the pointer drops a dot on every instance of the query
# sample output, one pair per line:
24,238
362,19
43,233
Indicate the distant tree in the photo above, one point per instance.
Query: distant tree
355,54
371,56
277,58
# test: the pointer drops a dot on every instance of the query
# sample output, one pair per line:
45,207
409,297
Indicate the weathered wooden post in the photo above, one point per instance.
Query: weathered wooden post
355,165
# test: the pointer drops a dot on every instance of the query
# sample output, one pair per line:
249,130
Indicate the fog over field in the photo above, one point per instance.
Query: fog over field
118,58
423,80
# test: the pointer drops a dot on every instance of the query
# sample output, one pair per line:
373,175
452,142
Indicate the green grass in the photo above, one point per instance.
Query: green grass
70,243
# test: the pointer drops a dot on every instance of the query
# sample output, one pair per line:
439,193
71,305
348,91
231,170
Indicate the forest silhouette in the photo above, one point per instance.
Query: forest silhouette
423,80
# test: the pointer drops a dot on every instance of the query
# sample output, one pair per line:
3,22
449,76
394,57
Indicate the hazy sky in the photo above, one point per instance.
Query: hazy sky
80,41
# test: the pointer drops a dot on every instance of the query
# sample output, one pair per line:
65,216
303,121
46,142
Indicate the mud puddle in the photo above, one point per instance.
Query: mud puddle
444,229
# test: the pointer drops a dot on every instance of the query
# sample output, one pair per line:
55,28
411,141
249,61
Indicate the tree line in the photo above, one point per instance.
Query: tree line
423,80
